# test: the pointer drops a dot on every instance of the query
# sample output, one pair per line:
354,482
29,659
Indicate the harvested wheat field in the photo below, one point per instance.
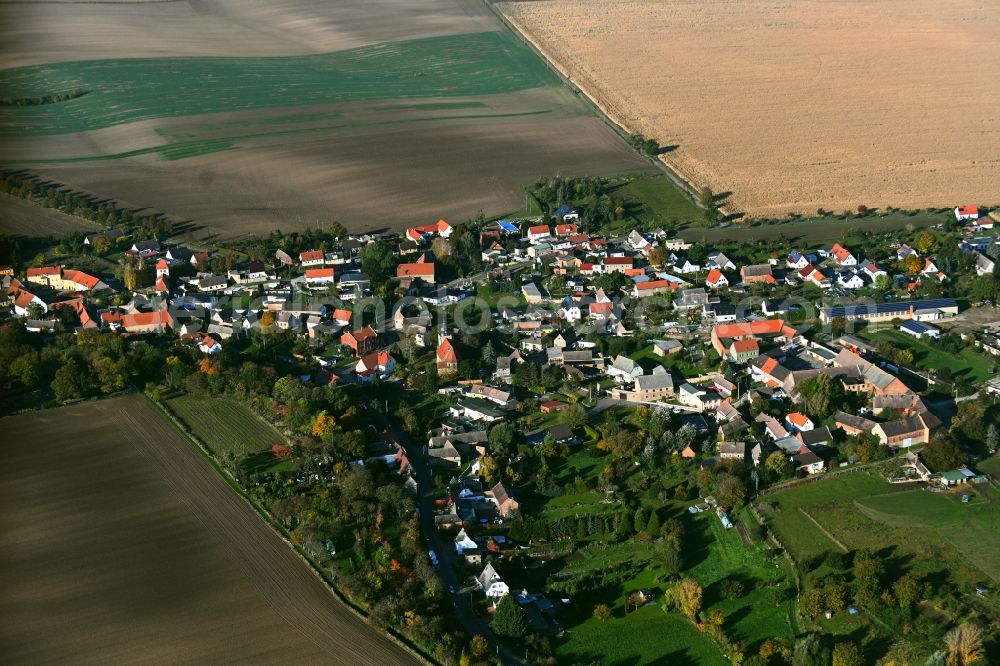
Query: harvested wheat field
795,105
121,544
249,116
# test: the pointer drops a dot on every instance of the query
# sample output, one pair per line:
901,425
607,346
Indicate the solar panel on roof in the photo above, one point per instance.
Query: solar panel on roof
884,308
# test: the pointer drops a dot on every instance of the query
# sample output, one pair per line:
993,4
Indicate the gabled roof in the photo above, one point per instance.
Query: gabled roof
419,269
714,276
798,419
446,352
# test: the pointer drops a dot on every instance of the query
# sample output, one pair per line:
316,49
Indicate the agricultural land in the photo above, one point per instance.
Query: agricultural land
224,425
368,113
122,543
797,106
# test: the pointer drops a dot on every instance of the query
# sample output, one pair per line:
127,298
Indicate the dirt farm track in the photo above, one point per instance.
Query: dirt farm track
799,104
121,544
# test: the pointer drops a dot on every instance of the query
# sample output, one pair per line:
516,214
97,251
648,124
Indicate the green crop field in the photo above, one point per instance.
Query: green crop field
936,533
129,90
225,425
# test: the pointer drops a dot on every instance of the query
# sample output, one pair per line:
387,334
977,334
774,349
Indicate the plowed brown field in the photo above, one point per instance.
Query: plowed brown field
121,544
798,104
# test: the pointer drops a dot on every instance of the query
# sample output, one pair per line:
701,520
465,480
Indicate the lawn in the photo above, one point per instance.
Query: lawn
225,425
930,534
458,65
711,554
968,364
645,636
662,202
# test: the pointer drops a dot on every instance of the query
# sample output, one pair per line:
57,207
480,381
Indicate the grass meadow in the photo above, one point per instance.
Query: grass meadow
225,425
932,534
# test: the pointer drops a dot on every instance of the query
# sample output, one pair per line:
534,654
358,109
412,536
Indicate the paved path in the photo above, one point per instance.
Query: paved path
442,547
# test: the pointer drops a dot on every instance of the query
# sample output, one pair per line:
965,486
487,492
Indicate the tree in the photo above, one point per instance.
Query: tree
110,374
883,282
688,594
716,617
489,469
868,571
811,602
847,654
489,355
574,416
377,262
69,381
925,243
821,395
778,466
809,651
267,320
658,256
965,644
323,425
730,489
671,559
35,311
912,264
509,619
943,453
992,438
653,524
906,589
602,612
706,197
101,245
337,230
501,439
26,368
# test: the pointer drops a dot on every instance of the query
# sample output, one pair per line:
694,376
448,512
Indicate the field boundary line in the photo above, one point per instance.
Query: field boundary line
678,179
823,530
269,520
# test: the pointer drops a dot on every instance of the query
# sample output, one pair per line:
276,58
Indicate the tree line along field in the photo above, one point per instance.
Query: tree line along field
795,106
123,544
374,114
224,425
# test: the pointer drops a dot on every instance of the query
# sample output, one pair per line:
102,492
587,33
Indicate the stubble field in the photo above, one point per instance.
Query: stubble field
796,105
285,115
123,545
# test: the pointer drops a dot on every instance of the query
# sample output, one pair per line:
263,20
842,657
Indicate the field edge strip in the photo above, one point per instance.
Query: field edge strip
280,531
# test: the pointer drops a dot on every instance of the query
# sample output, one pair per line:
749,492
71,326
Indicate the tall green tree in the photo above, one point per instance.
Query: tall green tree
509,619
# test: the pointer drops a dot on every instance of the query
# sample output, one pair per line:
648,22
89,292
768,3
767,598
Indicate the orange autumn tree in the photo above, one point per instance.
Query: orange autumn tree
322,425
208,367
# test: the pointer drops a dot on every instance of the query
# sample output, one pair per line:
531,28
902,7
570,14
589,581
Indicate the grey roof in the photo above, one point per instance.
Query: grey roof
488,576
816,436
732,448
902,426
654,381
853,421
625,364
